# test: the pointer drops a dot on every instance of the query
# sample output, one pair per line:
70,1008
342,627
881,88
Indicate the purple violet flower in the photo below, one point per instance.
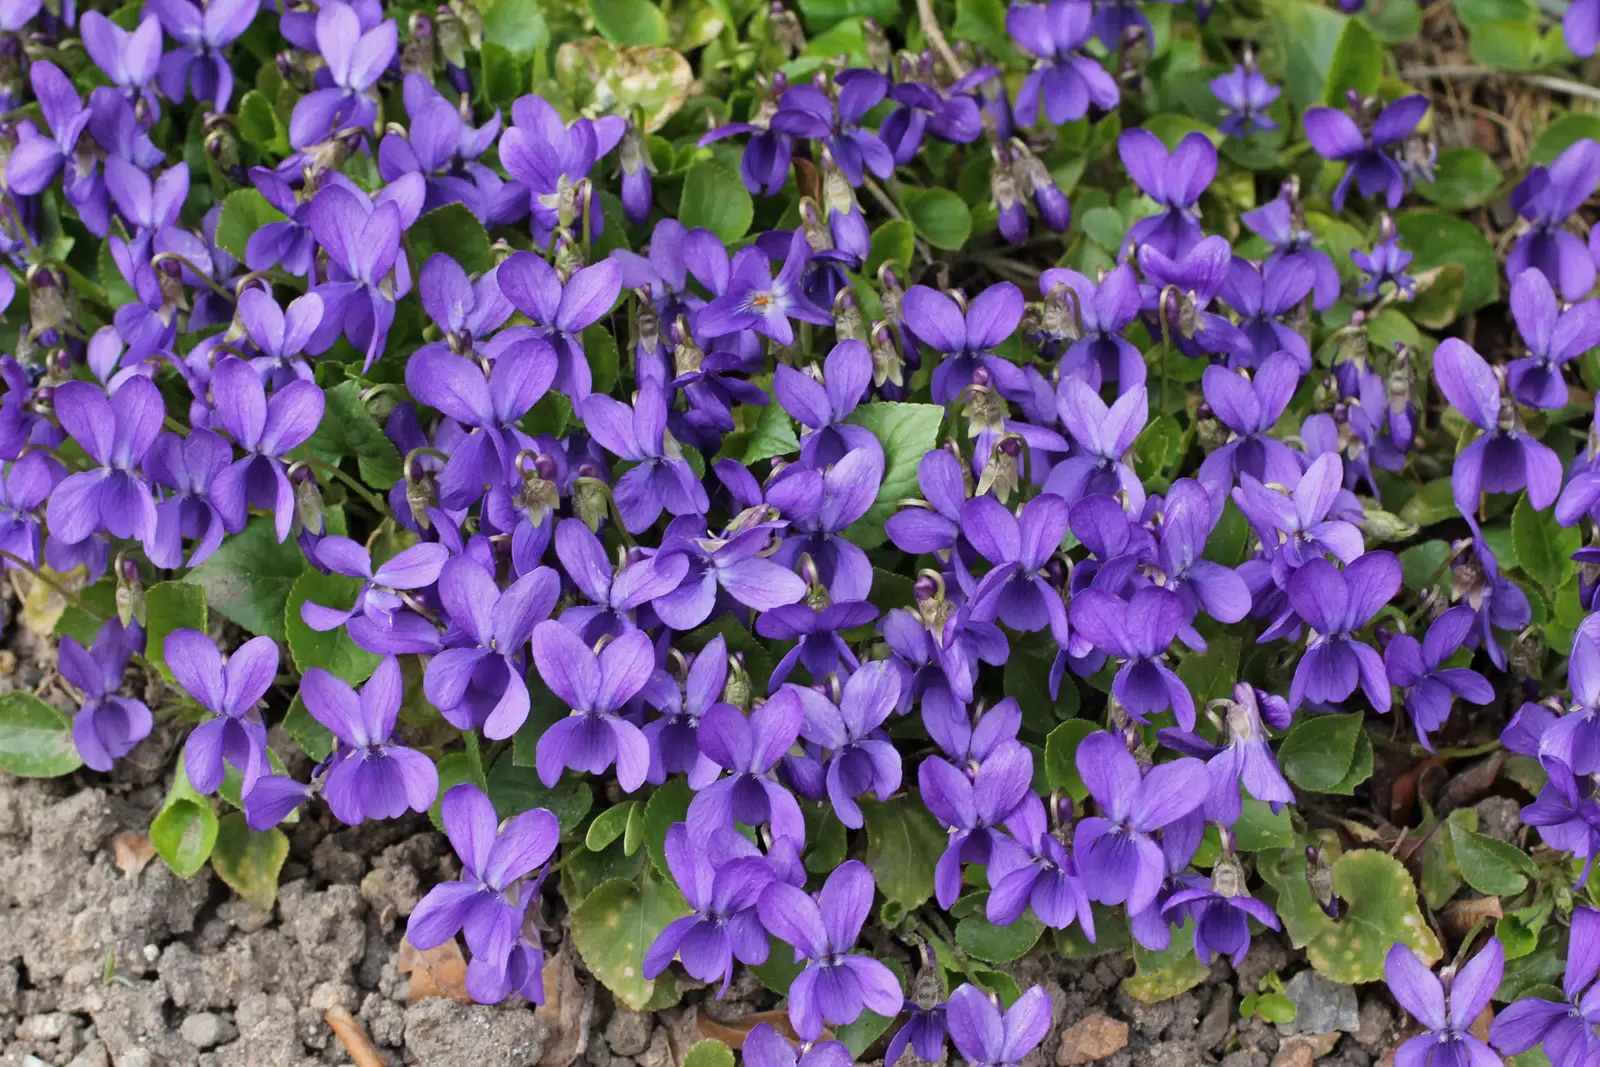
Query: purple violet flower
1221,911
1418,669
1567,1030
1100,352
965,335
1101,437
1246,758
1173,180
755,300
860,757
202,33
1016,590
593,736
750,749
1384,266
1035,869
187,467
235,733
1554,336
1505,458
370,777
972,805
1547,198
1277,222
266,429
660,478
488,903
1336,136
130,59
822,406
1118,858
836,984
983,1036
1245,94
1138,632
1448,1039
723,891
107,726
1336,604
1069,81
477,681
1250,406
562,311
355,58
116,433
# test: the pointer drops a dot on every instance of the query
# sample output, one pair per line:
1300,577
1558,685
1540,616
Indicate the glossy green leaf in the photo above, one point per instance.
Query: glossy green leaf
907,432
247,861
349,430
1319,750
1463,178
185,830
715,197
998,944
1060,757
1544,547
1492,867
248,579
1357,64
939,216
35,738
615,925
171,606
455,232
334,651
774,435
243,213
904,841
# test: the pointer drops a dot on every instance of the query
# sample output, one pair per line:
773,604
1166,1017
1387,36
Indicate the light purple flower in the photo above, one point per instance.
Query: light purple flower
594,736
266,429
1446,1016
561,312
202,33
1567,1030
750,749
1336,604
1173,180
1118,858
984,1037
1069,81
107,726
1335,135
836,984
370,777
116,433
235,734
1554,336
1418,669
723,891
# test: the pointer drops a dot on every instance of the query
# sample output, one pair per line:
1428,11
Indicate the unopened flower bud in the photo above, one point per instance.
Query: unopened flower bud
130,593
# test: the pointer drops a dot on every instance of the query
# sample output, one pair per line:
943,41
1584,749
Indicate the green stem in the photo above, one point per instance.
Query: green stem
373,501
475,760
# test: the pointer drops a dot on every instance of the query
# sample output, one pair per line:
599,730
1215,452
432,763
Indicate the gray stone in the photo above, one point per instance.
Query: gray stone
628,1032
1218,1019
207,1029
267,1032
444,1033
1322,1006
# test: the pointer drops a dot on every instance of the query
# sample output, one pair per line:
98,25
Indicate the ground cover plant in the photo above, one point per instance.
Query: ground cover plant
861,493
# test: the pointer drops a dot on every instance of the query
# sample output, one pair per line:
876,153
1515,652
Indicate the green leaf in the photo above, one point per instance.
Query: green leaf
515,25
35,738
1434,502
1440,877
614,927
773,436
1463,178
1544,547
1558,136
1360,767
1276,1009
939,215
332,650
349,429
1164,975
171,606
514,789
1394,21
821,15
998,944
629,22
249,862
1105,226
667,805
1492,867
781,968
248,578
1357,64
907,432
1424,563
608,826
1507,44
715,197
895,241
859,1035
1380,910
708,1053
1210,675
315,739
260,125
185,830
1318,753
601,78
1258,829
504,74
453,231
904,841
1435,239
1474,13
243,213
1061,757
1308,36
